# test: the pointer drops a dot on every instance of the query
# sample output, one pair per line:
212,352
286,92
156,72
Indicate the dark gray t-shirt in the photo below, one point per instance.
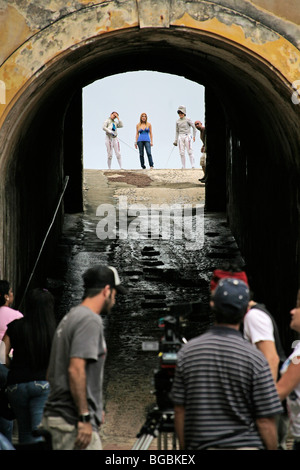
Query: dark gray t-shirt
79,334
225,385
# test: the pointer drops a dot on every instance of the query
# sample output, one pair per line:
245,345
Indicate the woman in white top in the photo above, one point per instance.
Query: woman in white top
110,127
289,384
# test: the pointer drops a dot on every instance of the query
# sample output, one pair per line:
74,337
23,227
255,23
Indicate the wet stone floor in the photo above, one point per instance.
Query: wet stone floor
163,275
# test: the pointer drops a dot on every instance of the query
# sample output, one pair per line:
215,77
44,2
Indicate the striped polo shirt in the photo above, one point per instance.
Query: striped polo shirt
225,384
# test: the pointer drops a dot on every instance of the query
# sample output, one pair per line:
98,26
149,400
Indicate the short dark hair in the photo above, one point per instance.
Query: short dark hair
91,292
4,290
228,317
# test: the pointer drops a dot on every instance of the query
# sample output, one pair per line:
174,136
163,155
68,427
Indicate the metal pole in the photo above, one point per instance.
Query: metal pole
136,150
170,155
45,239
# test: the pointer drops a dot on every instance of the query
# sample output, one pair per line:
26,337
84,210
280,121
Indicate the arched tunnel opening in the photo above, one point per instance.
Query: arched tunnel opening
252,148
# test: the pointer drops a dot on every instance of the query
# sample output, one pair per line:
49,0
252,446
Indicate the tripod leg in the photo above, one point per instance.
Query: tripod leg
174,441
148,442
143,442
139,443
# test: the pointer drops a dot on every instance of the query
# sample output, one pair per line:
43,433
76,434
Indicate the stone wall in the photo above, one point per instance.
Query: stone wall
245,53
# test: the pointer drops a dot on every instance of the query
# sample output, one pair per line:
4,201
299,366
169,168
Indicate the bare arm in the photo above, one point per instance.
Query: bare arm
136,135
77,379
150,132
289,380
179,424
268,349
6,341
268,432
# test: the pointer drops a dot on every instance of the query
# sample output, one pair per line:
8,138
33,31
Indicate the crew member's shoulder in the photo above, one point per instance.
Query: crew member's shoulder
257,314
81,312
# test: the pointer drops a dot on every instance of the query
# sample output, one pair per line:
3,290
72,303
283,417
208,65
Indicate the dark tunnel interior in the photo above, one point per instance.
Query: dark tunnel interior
252,149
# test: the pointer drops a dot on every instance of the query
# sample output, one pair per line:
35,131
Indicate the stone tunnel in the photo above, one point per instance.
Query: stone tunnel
245,53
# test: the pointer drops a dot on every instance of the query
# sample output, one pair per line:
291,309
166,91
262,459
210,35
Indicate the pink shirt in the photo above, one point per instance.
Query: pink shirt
7,315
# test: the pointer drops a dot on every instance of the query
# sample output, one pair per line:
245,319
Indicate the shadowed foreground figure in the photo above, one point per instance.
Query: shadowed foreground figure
73,412
223,392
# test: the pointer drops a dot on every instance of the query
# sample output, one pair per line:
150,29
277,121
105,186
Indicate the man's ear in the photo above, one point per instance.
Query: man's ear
107,291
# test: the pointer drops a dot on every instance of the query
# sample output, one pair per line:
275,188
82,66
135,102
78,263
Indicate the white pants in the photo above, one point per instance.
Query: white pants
185,142
112,143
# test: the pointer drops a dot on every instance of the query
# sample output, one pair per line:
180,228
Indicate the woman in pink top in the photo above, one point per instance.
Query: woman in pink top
7,315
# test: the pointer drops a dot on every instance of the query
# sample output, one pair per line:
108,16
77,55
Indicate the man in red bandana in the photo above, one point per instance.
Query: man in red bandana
258,324
260,329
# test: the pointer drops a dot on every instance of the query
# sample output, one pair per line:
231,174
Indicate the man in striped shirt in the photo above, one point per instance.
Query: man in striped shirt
223,392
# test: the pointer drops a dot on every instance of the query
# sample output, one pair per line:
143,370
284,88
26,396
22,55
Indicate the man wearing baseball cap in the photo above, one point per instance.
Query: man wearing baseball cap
73,412
223,391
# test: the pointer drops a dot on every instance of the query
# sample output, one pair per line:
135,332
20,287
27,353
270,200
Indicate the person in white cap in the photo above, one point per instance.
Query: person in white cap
183,136
110,127
73,411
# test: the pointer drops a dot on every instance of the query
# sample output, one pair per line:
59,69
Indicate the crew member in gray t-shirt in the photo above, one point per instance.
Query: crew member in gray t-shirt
73,412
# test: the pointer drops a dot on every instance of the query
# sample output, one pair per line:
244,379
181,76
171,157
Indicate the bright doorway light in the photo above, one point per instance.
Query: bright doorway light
130,94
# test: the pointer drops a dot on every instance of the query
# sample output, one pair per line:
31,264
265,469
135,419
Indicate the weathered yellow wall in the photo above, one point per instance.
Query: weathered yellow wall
33,35
47,40
288,9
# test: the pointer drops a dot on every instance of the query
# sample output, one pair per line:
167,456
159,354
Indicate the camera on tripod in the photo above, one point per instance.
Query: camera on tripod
168,349
160,419
173,324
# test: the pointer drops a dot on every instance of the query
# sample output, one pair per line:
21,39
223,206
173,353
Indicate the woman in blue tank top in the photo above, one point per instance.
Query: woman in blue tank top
144,139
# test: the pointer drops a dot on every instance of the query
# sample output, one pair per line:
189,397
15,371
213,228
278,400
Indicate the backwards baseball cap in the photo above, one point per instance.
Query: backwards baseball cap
221,274
231,296
100,276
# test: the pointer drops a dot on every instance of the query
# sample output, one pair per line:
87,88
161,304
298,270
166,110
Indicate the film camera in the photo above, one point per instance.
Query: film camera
169,346
177,321
161,418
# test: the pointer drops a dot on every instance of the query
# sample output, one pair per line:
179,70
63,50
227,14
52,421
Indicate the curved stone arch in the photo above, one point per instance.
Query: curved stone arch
211,18
32,59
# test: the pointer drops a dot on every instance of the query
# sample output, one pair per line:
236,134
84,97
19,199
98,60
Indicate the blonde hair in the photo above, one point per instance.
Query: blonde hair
147,123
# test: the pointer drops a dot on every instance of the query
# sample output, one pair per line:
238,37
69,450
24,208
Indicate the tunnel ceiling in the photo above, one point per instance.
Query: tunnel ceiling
242,81
243,52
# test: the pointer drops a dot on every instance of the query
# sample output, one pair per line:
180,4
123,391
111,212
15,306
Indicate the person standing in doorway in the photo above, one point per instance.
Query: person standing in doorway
144,140
201,129
73,412
183,136
110,127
